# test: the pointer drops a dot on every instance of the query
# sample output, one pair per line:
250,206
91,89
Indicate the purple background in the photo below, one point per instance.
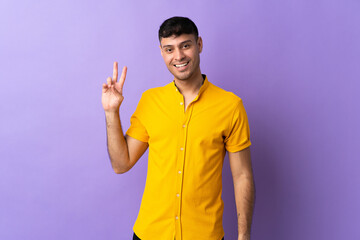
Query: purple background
294,63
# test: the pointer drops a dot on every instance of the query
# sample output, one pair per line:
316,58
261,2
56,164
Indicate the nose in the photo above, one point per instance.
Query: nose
179,55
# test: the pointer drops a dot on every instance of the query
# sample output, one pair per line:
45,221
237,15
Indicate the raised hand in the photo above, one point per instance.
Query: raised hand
112,91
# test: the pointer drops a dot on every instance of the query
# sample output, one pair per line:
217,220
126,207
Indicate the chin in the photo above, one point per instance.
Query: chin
183,77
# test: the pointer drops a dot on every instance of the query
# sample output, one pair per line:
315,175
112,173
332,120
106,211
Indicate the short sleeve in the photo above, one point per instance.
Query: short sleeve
239,132
137,128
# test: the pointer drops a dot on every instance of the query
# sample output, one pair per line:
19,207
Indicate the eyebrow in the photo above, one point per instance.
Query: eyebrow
179,43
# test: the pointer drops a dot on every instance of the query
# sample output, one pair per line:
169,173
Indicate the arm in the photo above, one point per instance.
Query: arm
240,164
124,152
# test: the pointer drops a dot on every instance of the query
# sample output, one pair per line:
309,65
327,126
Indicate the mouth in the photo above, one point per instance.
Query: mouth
181,65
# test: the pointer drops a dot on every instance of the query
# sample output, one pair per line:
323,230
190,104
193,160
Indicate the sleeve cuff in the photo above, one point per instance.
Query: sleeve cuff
137,136
239,147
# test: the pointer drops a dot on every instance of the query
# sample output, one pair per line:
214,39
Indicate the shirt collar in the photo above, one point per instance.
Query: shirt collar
202,88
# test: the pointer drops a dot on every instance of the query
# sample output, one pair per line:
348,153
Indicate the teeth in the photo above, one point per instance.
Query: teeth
181,65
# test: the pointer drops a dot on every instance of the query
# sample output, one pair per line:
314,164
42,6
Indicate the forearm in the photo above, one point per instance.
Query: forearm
116,143
244,196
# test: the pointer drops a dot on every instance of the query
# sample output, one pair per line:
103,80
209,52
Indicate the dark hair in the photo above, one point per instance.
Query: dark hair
177,26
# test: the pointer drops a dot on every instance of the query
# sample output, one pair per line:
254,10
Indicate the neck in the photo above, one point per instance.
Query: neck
191,85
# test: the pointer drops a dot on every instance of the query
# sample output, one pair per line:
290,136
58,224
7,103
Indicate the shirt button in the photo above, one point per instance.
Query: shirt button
181,149
176,217
181,103
177,195
184,125
179,172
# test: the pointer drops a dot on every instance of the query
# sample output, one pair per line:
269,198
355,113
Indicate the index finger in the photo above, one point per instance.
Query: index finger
115,72
123,76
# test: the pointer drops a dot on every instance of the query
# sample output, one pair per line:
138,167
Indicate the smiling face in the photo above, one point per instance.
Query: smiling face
181,55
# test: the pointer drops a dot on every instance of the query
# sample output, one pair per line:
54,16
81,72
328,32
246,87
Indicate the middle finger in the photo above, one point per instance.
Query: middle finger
115,72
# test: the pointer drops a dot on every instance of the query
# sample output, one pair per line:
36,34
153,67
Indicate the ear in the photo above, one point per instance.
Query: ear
200,44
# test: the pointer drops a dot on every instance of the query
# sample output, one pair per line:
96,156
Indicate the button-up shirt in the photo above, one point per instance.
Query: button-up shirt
182,196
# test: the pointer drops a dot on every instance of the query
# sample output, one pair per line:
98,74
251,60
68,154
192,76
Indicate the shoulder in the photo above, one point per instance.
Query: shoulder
226,97
155,92
157,95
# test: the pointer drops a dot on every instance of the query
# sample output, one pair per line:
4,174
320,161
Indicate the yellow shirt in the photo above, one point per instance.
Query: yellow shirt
182,196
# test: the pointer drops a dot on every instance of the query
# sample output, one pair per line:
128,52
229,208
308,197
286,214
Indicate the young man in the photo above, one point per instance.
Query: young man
188,125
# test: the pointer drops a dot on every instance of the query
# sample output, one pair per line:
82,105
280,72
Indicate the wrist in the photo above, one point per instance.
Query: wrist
112,118
111,112
244,236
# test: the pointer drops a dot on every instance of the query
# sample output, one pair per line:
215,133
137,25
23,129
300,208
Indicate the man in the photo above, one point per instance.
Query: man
188,125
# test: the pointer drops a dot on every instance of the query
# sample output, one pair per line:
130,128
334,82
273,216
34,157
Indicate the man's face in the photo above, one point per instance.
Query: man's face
182,55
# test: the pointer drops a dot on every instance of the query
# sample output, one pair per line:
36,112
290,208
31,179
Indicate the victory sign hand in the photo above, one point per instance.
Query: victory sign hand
112,91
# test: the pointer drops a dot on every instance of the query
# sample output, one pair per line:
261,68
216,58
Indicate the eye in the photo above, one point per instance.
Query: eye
186,46
168,50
